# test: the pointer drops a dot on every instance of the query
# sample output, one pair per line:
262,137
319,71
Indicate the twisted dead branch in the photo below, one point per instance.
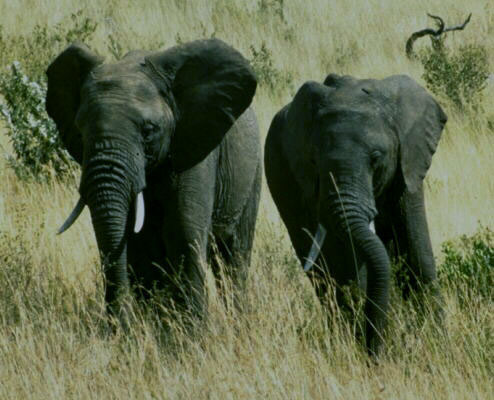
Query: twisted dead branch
435,34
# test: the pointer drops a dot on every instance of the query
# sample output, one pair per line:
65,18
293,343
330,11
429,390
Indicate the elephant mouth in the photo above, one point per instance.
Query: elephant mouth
79,207
318,242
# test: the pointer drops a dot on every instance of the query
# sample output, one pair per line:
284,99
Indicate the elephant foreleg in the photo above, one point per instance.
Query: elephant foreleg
237,252
187,228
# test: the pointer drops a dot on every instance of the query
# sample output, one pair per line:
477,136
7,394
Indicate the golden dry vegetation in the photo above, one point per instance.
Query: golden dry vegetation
52,338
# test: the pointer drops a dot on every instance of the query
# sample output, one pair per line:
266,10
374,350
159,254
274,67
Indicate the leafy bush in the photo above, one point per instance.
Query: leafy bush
471,260
460,76
267,73
38,151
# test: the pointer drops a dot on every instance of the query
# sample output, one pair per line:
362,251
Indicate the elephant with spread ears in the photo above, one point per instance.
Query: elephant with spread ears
171,161
345,163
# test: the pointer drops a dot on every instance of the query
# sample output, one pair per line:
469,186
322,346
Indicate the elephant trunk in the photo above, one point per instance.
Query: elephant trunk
109,215
109,187
353,221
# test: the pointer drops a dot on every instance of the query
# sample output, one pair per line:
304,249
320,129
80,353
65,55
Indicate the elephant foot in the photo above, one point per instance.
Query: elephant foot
121,313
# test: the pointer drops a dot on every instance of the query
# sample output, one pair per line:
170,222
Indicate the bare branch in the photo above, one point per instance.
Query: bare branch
434,33
416,35
440,23
459,27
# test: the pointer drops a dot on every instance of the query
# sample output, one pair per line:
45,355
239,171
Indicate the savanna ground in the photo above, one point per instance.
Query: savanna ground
53,342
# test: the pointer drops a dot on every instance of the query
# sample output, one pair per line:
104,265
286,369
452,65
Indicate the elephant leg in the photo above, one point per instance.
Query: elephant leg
187,228
195,265
146,253
237,249
385,228
186,262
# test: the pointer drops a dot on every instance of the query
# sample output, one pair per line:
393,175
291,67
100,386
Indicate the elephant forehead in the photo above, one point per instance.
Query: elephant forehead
364,99
344,119
127,92
99,109
129,85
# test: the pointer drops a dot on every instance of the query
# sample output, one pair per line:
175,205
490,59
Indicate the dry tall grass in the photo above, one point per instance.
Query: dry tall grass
52,339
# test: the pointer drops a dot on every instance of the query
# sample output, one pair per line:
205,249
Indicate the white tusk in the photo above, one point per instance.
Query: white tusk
139,213
72,217
372,226
315,248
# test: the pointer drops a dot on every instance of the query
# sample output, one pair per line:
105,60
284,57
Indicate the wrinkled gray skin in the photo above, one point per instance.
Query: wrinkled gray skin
347,153
174,125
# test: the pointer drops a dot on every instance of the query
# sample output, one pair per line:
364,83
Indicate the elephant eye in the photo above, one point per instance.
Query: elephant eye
375,157
149,128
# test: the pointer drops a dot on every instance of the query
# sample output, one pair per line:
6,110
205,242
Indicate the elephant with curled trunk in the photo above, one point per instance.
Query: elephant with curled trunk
171,160
347,156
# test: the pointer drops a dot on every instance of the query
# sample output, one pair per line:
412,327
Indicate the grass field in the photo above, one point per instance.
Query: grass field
52,340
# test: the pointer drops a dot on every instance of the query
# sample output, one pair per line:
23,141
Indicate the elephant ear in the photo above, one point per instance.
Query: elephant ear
420,121
301,120
66,75
212,84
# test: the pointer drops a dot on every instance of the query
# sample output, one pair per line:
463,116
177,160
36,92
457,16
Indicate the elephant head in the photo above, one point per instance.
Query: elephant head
347,142
120,121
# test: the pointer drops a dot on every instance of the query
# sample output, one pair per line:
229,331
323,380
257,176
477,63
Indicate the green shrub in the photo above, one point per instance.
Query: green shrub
267,74
471,260
458,76
38,151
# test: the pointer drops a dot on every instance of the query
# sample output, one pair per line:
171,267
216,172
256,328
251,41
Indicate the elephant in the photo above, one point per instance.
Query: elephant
171,163
345,163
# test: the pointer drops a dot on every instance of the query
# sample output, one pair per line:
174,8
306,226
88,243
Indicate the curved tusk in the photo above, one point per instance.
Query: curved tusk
372,227
73,216
315,248
139,213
